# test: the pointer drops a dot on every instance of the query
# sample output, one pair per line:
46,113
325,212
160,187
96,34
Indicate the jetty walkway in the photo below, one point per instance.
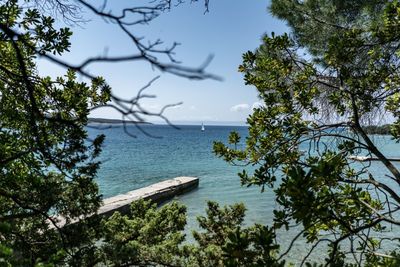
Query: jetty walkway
157,193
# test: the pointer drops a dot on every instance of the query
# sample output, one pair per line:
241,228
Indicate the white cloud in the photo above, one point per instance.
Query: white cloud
192,108
240,108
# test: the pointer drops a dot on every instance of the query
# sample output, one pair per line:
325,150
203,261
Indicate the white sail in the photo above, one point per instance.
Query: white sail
202,127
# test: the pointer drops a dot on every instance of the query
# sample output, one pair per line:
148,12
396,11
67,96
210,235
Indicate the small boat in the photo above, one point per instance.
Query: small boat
202,127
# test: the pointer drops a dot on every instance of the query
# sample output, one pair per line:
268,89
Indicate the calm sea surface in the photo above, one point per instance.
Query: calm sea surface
130,163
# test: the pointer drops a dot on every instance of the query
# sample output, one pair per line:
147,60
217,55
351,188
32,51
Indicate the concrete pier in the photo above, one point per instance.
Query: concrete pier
363,158
157,193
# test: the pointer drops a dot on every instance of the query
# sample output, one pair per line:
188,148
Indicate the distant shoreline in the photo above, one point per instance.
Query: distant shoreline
114,121
370,129
377,129
177,123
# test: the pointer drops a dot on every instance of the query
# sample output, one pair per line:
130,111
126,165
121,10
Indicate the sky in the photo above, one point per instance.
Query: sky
230,28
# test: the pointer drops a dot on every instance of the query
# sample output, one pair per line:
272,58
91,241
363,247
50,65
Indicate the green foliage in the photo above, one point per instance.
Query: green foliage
148,235
319,85
224,241
151,236
392,260
219,223
231,154
349,72
47,166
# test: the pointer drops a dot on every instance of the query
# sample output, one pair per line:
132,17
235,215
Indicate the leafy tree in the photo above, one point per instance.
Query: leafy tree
335,72
147,236
47,162
224,242
154,237
47,167
319,102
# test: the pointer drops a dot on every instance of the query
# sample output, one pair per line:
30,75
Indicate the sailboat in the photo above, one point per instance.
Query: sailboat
202,127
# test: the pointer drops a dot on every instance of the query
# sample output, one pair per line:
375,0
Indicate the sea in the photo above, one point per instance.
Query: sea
130,163
135,157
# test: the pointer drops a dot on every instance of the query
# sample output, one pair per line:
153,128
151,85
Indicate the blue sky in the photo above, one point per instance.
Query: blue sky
230,28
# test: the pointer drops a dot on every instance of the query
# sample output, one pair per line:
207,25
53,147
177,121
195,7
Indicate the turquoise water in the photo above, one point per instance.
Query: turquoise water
130,163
